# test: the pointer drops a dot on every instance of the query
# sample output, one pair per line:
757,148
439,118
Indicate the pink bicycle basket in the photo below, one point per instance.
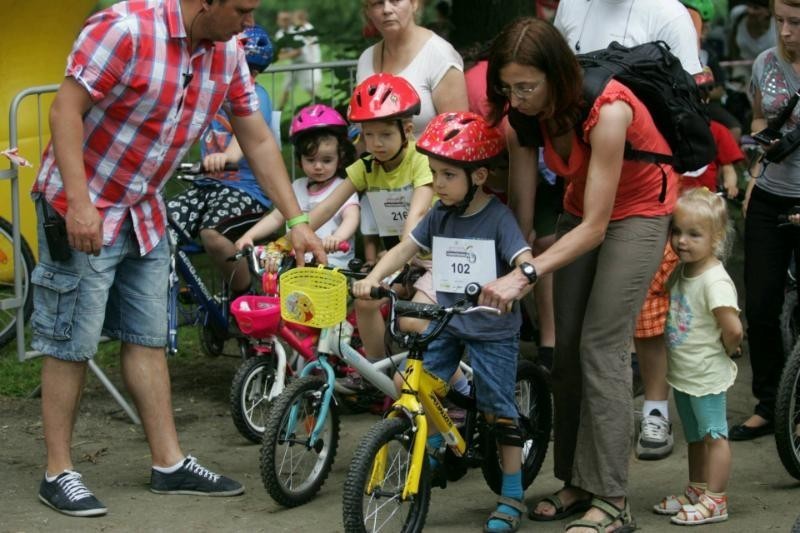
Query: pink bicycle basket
257,316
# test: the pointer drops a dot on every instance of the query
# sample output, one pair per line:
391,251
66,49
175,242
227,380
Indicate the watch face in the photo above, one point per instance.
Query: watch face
529,271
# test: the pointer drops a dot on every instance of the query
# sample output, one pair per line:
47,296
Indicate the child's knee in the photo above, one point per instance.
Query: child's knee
367,306
507,431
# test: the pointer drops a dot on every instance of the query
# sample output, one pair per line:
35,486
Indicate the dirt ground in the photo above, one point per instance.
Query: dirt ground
112,455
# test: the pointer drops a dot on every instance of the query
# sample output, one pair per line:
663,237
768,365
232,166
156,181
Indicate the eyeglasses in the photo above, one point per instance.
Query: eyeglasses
522,91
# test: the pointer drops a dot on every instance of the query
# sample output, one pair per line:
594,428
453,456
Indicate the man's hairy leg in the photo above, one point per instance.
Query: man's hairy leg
147,379
62,385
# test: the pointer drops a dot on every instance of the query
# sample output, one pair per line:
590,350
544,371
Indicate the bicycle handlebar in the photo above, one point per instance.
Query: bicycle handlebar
434,312
196,169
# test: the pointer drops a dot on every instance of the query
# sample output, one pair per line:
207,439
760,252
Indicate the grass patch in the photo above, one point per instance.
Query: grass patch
20,379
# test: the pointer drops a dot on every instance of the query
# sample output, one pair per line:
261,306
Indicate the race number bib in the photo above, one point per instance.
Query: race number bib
391,210
457,262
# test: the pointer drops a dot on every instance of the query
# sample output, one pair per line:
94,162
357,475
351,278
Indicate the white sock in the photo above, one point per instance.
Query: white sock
462,386
651,405
50,478
170,469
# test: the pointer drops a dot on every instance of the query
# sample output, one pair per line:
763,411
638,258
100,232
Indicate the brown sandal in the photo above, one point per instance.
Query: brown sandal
613,514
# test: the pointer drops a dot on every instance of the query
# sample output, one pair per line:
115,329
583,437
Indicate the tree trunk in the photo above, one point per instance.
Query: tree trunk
478,21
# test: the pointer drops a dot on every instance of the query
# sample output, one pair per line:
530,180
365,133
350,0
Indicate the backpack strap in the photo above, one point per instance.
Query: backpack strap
595,80
368,159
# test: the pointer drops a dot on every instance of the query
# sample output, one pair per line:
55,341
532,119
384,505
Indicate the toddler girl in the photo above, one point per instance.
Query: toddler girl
319,136
703,330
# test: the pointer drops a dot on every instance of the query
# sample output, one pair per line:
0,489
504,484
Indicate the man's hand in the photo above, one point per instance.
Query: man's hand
304,240
85,228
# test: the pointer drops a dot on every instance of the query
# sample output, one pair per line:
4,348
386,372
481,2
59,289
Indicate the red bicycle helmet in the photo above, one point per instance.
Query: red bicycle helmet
381,97
461,137
315,117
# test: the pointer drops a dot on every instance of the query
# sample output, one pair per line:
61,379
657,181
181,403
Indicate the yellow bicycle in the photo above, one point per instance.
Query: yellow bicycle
389,481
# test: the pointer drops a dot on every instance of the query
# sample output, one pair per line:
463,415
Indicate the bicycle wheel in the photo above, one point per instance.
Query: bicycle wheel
382,508
536,416
212,341
292,471
8,317
249,396
787,415
790,325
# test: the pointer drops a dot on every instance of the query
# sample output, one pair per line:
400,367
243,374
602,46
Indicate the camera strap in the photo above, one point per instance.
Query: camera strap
778,122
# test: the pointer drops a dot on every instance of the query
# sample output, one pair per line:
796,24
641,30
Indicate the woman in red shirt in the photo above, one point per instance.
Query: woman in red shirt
610,242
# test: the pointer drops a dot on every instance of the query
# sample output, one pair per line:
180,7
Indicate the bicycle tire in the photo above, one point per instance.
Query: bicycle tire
306,393
790,328
536,419
248,398
211,341
8,318
787,414
396,433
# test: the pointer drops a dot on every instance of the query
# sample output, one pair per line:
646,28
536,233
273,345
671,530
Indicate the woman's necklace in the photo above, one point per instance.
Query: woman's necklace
586,18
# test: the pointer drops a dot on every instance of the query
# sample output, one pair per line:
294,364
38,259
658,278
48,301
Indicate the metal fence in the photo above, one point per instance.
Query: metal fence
12,174
331,83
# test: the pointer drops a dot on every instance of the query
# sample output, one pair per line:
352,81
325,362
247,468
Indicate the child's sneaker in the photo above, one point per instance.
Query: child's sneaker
67,494
672,504
655,437
193,478
708,509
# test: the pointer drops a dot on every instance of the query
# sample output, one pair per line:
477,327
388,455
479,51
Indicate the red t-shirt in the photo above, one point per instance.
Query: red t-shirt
728,152
640,184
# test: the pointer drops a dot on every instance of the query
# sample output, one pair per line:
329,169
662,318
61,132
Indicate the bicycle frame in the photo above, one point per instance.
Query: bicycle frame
420,398
216,313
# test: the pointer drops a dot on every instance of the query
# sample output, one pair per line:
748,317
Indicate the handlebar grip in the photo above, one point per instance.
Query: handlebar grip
419,310
472,291
197,168
376,293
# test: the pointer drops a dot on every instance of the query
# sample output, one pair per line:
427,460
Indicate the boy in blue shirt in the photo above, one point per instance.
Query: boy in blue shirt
473,238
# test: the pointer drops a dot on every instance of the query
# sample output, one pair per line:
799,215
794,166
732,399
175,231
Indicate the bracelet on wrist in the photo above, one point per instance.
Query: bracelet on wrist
302,218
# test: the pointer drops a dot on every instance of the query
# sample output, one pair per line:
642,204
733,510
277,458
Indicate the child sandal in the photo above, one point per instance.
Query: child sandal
511,520
707,510
672,504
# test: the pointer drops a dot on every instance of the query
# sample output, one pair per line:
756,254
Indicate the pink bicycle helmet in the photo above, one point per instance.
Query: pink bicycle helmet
315,117
461,137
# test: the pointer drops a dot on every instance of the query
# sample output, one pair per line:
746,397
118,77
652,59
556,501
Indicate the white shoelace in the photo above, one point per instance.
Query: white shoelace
197,468
73,487
655,428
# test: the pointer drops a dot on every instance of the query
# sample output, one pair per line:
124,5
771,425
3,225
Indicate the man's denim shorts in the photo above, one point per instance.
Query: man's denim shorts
119,293
702,415
494,366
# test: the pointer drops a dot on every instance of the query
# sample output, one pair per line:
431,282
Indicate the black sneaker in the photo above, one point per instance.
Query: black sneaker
67,494
193,478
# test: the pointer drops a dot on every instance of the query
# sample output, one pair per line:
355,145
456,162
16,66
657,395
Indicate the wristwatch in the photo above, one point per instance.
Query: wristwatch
530,272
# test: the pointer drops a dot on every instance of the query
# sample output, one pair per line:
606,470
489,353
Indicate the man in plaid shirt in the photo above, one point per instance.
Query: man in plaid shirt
144,79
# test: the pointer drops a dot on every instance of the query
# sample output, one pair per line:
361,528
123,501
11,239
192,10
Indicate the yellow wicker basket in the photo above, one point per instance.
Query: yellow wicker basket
314,297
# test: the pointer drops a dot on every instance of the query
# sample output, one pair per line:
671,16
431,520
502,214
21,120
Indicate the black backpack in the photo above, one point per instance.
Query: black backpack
670,94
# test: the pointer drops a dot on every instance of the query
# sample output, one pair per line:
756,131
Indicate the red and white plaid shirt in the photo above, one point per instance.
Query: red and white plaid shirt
152,100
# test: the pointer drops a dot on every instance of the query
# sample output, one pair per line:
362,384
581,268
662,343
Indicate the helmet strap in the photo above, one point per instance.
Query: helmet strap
459,208
403,145
319,184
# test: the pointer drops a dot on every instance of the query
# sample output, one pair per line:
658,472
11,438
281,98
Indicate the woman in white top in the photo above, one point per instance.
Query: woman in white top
417,54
